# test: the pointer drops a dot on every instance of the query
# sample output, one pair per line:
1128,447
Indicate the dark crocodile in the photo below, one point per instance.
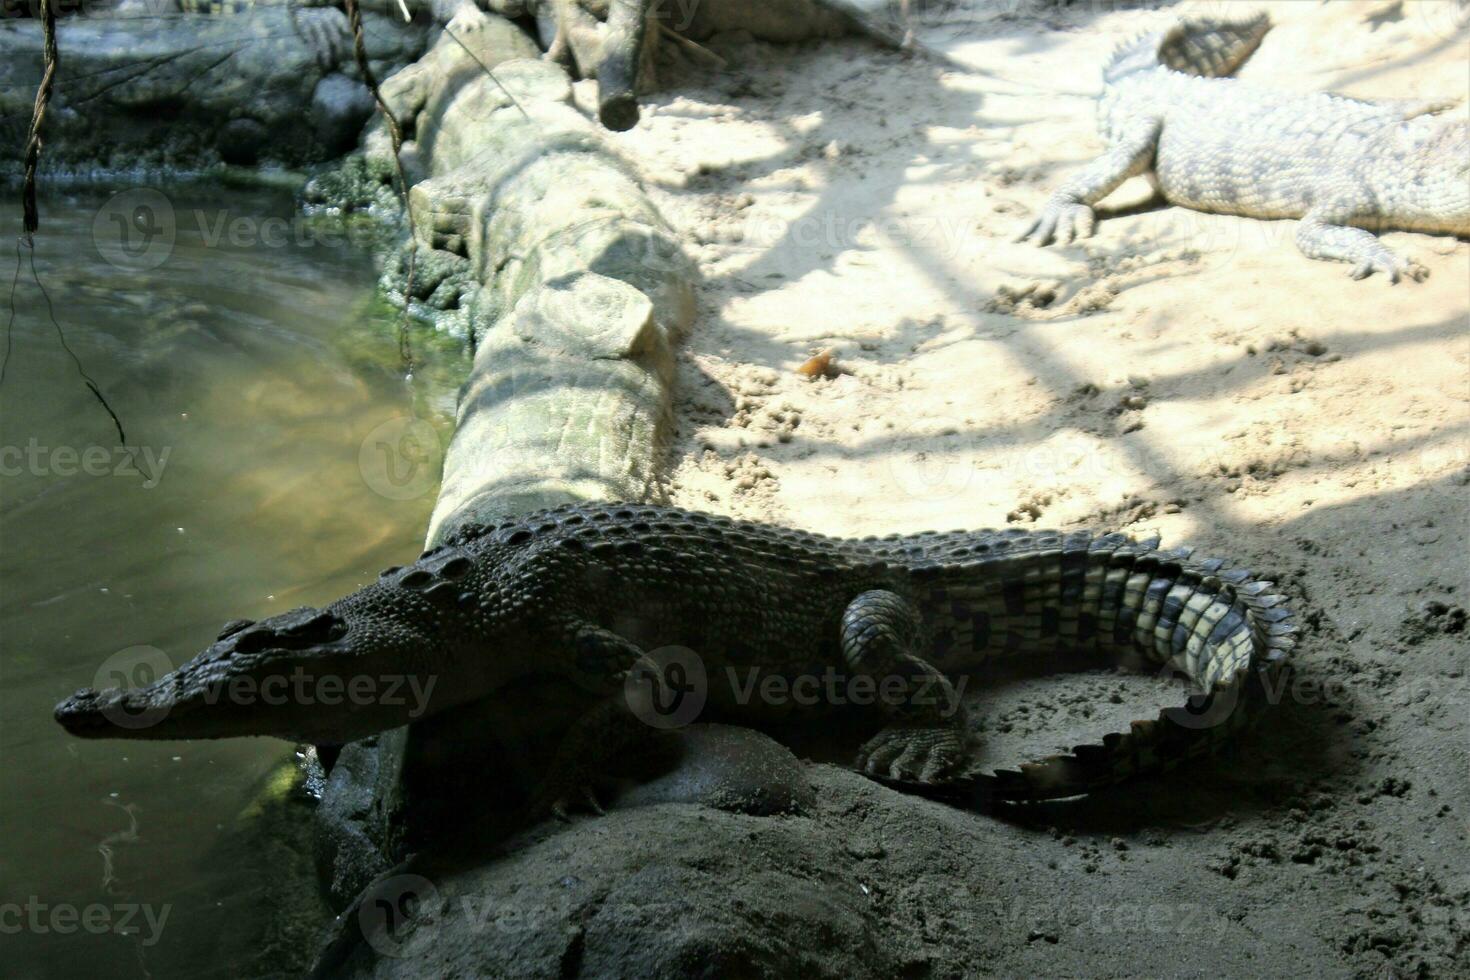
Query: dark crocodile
1344,166
584,592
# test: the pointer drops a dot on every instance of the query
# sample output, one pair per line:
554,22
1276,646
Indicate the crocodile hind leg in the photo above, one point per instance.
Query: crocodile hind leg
924,739
1325,234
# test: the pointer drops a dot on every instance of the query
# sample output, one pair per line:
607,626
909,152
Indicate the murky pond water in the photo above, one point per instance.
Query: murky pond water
258,383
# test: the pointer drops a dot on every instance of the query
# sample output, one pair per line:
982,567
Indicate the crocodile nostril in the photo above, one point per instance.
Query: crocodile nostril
318,626
416,579
234,626
443,592
256,640
456,568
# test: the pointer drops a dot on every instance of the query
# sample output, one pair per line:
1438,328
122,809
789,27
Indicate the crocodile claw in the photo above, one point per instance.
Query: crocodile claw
918,754
566,802
1062,222
1392,266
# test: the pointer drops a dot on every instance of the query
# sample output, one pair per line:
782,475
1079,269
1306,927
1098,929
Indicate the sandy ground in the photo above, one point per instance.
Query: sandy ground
1182,373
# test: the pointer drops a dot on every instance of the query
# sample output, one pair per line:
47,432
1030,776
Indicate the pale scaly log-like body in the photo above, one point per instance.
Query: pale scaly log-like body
1345,167
584,593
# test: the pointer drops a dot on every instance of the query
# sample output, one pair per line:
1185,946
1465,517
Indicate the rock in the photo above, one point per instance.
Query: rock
339,107
658,891
187,92
728,768
241,142
348,820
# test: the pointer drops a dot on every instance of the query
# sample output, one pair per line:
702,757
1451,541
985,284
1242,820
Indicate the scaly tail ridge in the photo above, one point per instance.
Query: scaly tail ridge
1225,631
1209,48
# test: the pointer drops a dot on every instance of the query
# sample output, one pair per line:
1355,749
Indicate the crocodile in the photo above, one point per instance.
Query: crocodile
588,594
1346,167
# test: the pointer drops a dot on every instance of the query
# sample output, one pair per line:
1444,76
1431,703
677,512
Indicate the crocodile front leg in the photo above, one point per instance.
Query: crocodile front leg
602,664
1325,234
1068,215
924,740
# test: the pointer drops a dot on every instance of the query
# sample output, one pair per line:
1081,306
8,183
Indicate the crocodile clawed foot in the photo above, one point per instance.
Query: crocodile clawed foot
914,754
1062,222
563,800
1392,266
561,807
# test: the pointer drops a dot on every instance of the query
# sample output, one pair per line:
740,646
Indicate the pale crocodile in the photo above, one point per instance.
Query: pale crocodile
584,592
1346,167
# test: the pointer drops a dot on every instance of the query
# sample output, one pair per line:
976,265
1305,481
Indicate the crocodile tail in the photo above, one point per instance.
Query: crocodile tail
1225,631
1207,47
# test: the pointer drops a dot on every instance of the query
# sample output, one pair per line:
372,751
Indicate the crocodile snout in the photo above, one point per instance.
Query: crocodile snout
87,711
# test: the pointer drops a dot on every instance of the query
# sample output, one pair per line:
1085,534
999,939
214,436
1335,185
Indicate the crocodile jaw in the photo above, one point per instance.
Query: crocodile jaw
303,676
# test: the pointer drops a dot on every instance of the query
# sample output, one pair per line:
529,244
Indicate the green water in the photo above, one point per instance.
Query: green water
249,366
